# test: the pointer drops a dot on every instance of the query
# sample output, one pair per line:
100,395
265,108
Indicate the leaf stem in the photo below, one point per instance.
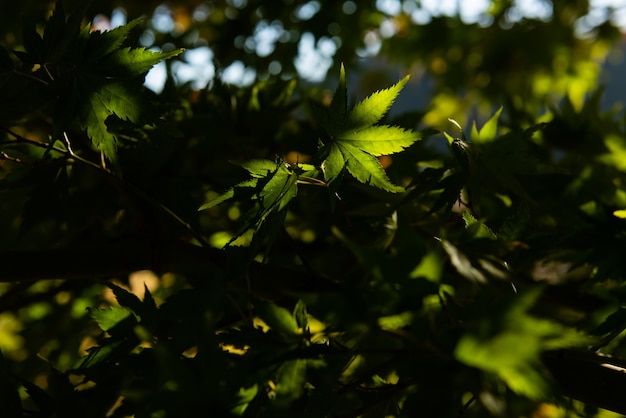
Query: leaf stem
45,67
312,181
22,140
7,157
31,77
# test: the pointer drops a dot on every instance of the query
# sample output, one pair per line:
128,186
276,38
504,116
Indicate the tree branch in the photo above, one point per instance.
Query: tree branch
124,257
589,377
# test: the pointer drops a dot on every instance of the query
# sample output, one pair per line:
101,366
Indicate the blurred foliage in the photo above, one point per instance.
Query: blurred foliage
265,245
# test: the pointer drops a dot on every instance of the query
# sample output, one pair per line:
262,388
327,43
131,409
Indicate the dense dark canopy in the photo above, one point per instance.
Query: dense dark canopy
311,208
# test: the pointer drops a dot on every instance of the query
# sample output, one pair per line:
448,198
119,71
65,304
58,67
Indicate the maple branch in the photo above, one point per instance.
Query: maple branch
19,139
121,258
69,153
31,77
589,377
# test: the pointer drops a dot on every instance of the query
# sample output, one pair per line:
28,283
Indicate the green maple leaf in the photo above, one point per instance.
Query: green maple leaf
276,192
489,130
107,318
92,117
129,62
355,140
379,140
273,186
372,109
100,100
106,81
97,44
339,105
365,168
258,169
513,351
333,166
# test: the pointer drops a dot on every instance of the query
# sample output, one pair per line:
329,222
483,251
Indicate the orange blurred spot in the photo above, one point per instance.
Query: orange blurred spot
385,161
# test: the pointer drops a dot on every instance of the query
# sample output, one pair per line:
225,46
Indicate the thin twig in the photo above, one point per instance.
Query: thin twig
5,156
23,140
45,67
124,183
31,77
466,405
312,181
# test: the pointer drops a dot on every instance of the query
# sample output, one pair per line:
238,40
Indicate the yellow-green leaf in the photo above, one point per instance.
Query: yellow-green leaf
489,130
339,104
290,380
334,164
380,140
277,318
620,213
127,62
372,109
107,318
366,168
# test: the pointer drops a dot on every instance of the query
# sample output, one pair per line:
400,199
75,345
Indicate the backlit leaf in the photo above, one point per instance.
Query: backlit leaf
104,99
481,230
107,81
300,315
127,62
122,101
277,318
354,141
396,321
620,213
258,168
92,118
511,356
489,130
290,380
339,105
334,164
512,349
107,318
278,191
229,194
245,396
273,187
380,140
102,43
97,355
366,168
373,108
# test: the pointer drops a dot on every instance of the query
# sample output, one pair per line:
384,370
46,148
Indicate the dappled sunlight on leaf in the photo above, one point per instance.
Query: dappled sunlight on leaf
512,348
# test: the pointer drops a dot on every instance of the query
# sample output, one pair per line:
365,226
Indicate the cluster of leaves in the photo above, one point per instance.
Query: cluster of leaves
380,271
86,76
352,142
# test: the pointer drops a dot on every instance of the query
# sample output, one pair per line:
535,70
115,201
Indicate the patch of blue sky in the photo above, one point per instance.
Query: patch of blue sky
307,10
315,56
265,37
601,11
238,74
